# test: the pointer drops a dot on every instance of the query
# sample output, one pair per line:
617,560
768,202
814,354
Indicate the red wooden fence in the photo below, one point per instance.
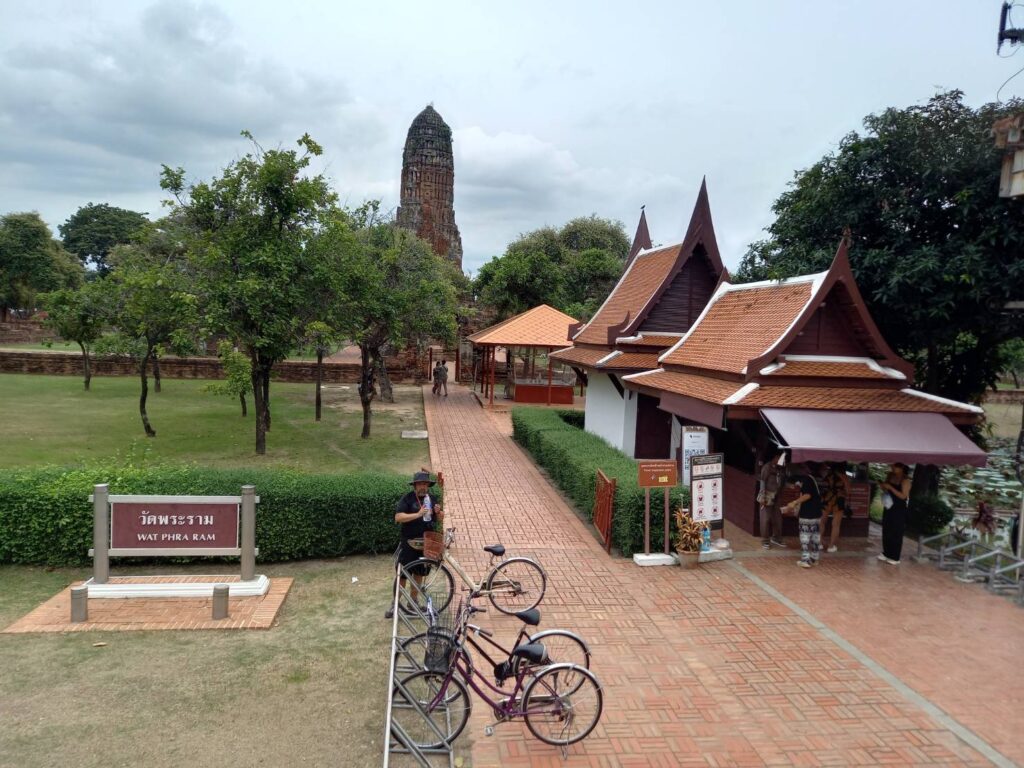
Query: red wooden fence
604,503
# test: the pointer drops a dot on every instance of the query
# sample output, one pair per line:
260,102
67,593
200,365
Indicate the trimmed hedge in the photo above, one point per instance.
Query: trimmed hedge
572,457
46,517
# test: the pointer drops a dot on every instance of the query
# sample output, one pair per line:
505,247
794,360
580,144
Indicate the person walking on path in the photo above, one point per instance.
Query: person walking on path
444,377
808,506
835,490
417,512
895,497
773,477
436,375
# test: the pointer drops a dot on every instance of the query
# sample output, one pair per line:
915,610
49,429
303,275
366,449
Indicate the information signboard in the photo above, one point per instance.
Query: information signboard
706,487
170,525
695,443
657,474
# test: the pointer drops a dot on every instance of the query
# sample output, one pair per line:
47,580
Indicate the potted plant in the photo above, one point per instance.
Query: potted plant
689,536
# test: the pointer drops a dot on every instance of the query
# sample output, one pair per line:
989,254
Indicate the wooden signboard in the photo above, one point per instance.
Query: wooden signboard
657,474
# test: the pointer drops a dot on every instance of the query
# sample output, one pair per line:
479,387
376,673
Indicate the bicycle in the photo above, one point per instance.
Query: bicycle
512,585
561,645
560,703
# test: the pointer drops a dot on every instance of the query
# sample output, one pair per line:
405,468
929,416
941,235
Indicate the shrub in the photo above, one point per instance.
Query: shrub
572,418
46,517
572,457
928,515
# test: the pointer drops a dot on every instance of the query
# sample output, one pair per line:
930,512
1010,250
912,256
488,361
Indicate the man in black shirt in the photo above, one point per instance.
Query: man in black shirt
417,511
809,504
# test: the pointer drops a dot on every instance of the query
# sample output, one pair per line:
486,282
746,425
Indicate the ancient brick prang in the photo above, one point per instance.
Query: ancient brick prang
428,185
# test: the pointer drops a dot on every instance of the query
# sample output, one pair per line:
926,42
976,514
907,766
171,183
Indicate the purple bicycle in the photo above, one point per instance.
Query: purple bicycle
560,703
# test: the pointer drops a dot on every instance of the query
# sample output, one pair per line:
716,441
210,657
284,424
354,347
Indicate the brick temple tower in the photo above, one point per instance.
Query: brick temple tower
428,185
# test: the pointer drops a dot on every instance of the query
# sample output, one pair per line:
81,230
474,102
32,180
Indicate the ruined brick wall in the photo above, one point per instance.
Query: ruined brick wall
65,364
24,332
428,185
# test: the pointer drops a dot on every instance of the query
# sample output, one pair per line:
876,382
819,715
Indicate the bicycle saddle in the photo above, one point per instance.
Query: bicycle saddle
532,652
495,549
530,616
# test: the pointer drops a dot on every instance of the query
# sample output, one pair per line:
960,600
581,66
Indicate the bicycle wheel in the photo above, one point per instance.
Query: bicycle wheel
563,704
417,648
435,581
563,647
449,713
516,585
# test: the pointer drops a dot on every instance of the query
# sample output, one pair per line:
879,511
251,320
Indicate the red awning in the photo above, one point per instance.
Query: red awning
880,436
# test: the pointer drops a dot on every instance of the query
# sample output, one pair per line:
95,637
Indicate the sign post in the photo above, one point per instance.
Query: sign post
707,497
656,474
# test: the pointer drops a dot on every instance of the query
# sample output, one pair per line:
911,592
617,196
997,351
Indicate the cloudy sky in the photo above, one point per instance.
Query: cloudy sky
558,109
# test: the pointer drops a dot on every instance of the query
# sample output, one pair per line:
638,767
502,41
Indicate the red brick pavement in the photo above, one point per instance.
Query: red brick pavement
699,667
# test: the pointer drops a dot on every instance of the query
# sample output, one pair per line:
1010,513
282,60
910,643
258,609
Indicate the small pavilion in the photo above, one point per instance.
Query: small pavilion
541,328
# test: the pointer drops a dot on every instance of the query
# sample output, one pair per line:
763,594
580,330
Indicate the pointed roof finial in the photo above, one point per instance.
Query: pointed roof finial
642,238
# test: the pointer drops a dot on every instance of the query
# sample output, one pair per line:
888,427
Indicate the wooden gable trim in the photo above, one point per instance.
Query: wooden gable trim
839,271
700,231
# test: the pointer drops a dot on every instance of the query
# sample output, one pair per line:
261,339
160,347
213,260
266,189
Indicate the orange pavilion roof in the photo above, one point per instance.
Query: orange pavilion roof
541,326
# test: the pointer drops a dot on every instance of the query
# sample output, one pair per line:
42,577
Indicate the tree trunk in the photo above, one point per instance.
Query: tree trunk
1016,381
926,481
259,404
266,397
387,394
245,411
86,368
319,379
365,387
145,393
156,372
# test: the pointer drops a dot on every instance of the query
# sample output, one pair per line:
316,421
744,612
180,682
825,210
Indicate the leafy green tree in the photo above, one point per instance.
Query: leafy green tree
78,315
237,380
1012,355
936,251
31,262
324,339
94,229
250,231
572,268
400,295
151,308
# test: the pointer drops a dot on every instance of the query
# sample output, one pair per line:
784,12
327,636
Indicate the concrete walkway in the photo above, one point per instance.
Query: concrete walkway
743,663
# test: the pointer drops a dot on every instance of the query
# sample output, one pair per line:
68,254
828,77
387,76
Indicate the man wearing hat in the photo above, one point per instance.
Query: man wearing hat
410,512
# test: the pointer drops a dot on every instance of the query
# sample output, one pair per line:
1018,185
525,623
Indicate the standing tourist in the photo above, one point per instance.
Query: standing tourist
808,506
417,512
444,377
436,375
895,496
773,477
835,490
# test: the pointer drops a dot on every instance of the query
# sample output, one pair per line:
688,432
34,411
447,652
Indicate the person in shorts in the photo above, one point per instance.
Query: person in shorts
409,513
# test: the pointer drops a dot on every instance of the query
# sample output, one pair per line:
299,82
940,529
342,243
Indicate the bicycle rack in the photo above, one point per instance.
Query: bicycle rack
975,561
403,662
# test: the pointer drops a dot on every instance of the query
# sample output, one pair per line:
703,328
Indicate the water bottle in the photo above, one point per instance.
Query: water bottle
429,506
706,540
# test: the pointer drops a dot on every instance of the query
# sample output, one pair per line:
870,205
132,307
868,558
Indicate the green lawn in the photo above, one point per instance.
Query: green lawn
52,420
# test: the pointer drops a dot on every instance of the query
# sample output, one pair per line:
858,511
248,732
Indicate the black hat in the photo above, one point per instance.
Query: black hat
422,477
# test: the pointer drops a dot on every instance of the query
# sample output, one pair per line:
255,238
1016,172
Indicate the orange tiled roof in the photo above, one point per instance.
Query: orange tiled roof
688,384
741,324
634,361
840,399
585,356
634,289
541,326
829,369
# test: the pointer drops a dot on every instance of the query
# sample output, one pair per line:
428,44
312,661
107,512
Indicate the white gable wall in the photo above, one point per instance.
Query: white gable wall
605,410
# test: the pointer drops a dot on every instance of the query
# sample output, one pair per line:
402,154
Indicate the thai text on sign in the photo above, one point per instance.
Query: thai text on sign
162,525
657,474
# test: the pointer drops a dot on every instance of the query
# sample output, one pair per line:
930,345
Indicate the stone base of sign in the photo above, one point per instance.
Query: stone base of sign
414,434
715,554
654,559
175,586
157,613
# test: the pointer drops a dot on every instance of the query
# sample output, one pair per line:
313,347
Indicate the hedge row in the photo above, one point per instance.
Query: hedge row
572,457
46,517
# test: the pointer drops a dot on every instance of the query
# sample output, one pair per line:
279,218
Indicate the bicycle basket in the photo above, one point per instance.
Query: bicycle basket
441,641
433,545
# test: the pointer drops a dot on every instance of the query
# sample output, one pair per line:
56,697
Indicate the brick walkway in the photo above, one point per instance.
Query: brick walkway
727,664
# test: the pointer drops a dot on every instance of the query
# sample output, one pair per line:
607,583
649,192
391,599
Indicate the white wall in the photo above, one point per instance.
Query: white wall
605,410
628,445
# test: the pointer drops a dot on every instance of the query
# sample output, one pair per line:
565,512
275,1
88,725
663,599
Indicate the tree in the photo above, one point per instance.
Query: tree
237,374
572,268
151,307
250,232
936,252
400,295
78,315
323,338
1012,355
94,229
31,261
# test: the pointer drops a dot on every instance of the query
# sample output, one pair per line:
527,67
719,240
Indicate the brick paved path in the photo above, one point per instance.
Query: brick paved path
708,667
